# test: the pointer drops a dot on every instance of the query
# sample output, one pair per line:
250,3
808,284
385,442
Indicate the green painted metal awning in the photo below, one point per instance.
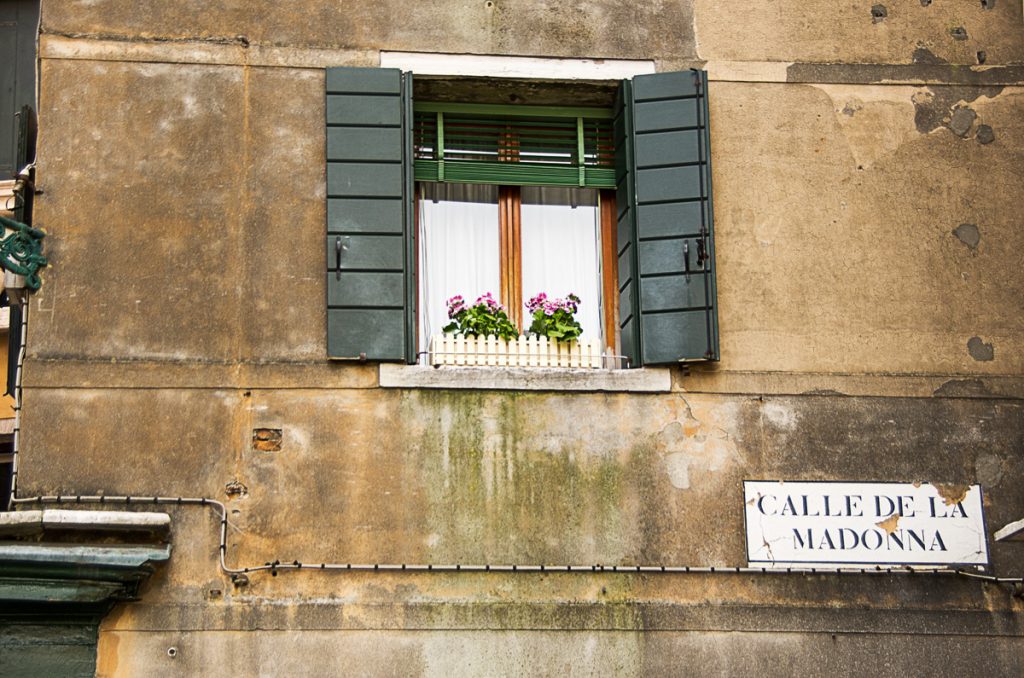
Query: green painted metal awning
74,572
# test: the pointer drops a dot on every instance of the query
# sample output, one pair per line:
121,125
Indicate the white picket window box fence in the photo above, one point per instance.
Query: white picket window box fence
458,350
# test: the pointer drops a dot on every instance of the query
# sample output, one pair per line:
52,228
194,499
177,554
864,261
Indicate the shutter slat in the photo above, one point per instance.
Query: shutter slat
362,179
368,305
366,252
384,143
371,334
361,288
354,215
665,148
669,219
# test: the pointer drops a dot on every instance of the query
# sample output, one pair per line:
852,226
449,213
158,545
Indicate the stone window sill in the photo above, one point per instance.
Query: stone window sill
643,380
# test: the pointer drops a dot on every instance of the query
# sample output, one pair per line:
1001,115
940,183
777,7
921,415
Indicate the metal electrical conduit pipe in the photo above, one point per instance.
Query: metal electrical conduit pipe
16,442
239,574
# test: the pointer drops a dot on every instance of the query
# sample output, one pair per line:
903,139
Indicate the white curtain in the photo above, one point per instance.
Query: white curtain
458,249
561,247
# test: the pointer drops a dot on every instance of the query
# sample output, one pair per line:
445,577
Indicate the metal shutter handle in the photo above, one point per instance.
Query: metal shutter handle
337,258
686,258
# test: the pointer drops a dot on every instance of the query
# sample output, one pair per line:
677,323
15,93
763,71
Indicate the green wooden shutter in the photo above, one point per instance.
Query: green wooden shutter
369,189
625,203
45,644
668,300
18,23
24,157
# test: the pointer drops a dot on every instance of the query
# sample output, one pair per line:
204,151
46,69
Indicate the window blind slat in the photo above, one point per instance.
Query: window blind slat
513,149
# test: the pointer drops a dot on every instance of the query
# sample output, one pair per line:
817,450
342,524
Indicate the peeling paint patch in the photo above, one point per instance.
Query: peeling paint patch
780,416
963,387
985,135
979,350
988,469
874,123
958,33
934,106
968,234
923,55
697,442
878,13
678,468
824,392
890,524
911,74
951,493
961,121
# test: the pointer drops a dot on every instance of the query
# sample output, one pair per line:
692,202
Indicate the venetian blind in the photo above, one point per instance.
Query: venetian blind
514,145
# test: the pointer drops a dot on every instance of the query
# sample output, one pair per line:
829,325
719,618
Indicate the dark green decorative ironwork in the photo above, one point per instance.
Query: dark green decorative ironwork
22,252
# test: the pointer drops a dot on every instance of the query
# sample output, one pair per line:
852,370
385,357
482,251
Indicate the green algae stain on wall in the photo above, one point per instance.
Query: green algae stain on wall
510,479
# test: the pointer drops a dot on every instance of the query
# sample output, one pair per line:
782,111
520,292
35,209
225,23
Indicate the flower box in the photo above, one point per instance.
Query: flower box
458,350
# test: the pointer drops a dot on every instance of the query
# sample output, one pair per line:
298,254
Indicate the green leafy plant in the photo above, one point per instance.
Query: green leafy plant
555,318
485,317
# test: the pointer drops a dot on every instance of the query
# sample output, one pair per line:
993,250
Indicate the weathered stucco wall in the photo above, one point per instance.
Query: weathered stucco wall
837,213
422,476
872,328
599,28
368,476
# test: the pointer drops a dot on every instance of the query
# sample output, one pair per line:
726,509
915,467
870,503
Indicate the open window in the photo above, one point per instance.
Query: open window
431,199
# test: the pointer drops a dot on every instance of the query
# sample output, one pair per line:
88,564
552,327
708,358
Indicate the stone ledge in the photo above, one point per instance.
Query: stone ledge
644,380
35,522
82,574
624,615
1011,532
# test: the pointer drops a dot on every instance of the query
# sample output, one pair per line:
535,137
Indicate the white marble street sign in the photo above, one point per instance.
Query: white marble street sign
852,524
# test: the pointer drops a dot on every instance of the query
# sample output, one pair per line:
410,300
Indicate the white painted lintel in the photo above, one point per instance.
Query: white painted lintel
486,66
35,521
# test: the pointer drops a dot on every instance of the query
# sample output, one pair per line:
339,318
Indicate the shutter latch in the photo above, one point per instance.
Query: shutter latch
702,252
337,258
